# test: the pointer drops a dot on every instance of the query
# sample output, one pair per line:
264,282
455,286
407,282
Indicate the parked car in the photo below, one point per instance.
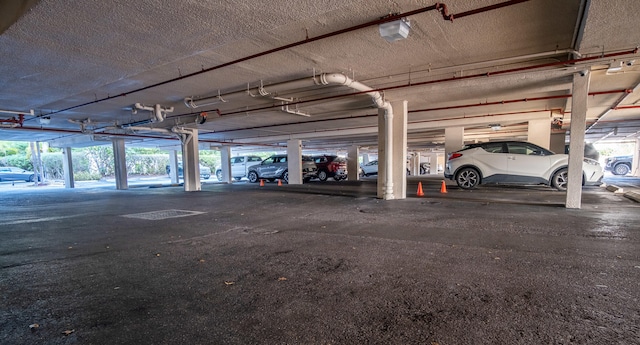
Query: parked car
514,162
16,174
368,169
590,151
205,171
240,166
618,165
371,168
277,167
331,166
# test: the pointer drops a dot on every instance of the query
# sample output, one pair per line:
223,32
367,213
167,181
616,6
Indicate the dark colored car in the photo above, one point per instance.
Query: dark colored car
331,166
618,165
16,174
205,172
277,167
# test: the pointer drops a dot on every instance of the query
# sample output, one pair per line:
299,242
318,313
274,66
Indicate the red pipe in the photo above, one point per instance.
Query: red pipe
622,107
626,91
19,121
438,6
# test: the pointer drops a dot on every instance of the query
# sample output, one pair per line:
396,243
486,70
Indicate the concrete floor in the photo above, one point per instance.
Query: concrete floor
318,264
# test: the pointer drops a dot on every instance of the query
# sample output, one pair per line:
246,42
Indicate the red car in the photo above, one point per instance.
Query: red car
331,166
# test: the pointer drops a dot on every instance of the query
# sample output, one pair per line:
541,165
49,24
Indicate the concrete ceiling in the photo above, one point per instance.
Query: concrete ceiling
85,64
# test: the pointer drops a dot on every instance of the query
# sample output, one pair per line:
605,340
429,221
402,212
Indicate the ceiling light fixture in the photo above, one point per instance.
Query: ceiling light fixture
614,67
395,30
495,127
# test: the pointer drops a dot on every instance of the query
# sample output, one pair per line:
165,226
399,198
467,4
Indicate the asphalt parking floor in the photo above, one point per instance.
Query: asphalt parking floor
318,264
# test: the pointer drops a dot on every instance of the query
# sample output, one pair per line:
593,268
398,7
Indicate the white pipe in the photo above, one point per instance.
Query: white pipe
158,111
341,79
16,112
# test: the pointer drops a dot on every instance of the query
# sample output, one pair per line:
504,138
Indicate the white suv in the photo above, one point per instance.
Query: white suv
239,166
514,162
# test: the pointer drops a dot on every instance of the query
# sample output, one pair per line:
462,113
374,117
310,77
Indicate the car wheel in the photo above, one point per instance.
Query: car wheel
621,169
219,175
30,179
322,175
559,179
252,176
206,177
468,178
285,176
238,178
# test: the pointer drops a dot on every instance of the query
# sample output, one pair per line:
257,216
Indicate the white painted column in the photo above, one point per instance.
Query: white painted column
540,133
353,167
225,163
294,158
173,167
67,168
399,147
190,160
453,139
414,167
120,164
384,139
433,163
579,106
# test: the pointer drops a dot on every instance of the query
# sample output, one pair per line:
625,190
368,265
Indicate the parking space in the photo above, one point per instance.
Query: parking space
317,263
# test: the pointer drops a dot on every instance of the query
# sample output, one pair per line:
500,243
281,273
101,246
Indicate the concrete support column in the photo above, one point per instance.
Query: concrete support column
173,167
294,158
433,163
540,133
579,106
67,167
635,168
453,139
557,142
190,159
352,163
365,158
392,135
120,164
414,167
225,164
401,114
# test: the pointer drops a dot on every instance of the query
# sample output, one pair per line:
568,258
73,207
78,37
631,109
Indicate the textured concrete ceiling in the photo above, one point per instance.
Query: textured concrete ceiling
85,64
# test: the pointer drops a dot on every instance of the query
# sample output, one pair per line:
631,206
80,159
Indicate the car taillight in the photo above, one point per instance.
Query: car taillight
454,155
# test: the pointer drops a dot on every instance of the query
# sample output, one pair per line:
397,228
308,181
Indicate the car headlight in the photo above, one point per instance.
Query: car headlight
591,161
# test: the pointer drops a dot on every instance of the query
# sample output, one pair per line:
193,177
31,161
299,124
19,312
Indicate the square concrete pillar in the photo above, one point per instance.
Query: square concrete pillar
225,163
635,168
392,134
67,167
353,168
120,164
453,139
539,132
190,160
173,167
579,106
294,158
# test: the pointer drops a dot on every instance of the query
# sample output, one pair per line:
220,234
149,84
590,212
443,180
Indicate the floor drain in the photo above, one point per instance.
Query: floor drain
164,214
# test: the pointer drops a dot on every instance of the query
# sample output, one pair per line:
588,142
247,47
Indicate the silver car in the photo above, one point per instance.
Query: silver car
16,174
277,167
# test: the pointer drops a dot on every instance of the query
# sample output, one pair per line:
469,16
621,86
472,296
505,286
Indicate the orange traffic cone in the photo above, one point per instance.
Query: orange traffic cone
443,189
261,183
279,182
420,192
